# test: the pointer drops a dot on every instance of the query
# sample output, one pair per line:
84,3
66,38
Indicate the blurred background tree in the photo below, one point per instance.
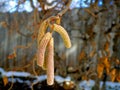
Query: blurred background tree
93,26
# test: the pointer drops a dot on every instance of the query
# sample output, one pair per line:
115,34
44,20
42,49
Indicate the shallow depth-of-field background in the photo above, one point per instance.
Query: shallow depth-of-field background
93,59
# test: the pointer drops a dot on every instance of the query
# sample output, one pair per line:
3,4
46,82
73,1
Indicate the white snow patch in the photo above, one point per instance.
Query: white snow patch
60,79
13,73
86,85
19,80
41,78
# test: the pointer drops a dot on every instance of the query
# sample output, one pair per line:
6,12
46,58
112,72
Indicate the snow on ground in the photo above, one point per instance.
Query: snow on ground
84,85
87,85
60,79
14,73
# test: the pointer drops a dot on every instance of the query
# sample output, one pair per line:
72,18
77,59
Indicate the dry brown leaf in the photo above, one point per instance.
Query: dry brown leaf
92,53
113,75
118,77
4,24
106,46
107,64
12,56
100,68
5,80
117,61
84,77
82,55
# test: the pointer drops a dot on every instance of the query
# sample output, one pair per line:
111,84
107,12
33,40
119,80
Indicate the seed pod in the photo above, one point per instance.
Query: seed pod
42,31
42,48
63,34
50,62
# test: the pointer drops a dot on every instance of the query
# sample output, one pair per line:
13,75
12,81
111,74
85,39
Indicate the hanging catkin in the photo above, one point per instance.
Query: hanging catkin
50,62
45,54
63,33
42,47
42,31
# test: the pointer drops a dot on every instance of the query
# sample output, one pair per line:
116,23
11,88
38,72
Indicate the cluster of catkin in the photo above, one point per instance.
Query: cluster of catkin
45,42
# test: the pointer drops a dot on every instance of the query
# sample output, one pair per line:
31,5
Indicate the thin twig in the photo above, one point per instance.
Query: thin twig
66,8
20,68
87,10
11,83
34,67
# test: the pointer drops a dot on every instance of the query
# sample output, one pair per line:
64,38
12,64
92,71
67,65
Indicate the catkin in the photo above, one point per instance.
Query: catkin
44,67
44,25
42,47
44,64
50,62
63,33
42,31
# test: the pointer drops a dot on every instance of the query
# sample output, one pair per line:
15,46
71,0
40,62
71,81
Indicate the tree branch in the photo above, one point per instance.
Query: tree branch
66,8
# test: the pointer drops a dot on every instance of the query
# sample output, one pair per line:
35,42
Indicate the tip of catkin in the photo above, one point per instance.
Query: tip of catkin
50,83
69,46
